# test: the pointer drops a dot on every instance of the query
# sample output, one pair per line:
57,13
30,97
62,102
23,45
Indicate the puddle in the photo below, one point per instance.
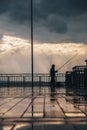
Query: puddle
75,114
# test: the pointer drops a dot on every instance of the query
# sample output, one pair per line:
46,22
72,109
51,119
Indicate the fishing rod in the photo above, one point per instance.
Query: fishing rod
66,62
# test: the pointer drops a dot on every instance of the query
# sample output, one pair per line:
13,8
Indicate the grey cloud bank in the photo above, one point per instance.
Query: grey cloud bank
58,20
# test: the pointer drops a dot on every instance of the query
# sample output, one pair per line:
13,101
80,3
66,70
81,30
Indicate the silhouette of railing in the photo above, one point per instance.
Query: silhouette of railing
20,84
24,80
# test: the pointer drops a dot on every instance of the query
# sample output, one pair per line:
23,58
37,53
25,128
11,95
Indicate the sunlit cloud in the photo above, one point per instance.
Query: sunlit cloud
18,50
65,48
12,43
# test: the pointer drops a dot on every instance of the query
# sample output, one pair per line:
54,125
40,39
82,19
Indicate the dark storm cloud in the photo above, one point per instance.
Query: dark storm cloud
4,5
19,10
64,7
67,9
56,24
58,16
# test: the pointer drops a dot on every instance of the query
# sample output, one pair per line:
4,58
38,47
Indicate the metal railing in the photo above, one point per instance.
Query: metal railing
24,80
21,84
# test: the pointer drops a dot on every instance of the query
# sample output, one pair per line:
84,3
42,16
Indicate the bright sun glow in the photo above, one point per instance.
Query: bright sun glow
10,43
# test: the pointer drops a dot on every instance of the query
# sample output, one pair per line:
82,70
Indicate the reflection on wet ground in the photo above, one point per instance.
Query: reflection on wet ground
53,127
43,111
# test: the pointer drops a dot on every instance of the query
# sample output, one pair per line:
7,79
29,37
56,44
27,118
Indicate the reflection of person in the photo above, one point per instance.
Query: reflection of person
52,75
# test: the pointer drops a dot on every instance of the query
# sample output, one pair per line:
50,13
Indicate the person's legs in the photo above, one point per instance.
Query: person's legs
53,84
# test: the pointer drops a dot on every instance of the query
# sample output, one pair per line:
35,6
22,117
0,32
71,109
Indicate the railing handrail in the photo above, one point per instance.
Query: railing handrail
29,74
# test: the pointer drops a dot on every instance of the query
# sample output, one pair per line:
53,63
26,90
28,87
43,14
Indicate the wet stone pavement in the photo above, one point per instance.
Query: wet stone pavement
43,111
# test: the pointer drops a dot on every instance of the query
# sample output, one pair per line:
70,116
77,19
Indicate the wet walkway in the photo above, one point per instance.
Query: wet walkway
44,111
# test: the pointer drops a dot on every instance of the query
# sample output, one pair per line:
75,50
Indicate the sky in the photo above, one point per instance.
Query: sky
60,32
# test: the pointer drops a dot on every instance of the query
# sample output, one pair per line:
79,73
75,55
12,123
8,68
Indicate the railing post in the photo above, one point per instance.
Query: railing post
8,81
24,81
39,84
23,85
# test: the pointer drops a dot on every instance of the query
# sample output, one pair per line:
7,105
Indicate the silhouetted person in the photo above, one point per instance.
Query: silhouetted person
52,75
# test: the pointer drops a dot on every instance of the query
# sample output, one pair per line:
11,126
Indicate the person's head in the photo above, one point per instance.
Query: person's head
53,66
